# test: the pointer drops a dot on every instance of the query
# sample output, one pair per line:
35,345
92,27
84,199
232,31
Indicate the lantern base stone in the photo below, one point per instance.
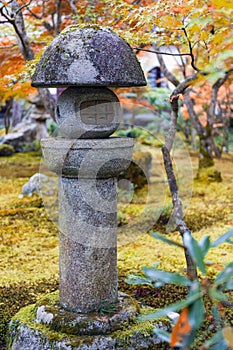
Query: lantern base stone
47,326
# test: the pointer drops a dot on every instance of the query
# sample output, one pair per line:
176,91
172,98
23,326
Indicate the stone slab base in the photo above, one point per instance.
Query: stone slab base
30,331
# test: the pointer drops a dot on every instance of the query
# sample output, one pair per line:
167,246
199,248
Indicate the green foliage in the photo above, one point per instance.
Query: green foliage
144,136
215,290
159,98
52,127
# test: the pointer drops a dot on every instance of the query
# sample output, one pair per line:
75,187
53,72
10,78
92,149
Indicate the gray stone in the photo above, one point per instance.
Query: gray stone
101,158
38,183
40,115
24,134
109,319
88,57
88,217
87,112
26,333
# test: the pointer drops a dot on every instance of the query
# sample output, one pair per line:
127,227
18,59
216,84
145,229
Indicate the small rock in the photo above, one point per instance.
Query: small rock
40,184
6,150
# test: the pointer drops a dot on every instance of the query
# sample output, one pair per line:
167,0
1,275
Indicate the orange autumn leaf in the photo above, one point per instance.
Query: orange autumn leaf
181,328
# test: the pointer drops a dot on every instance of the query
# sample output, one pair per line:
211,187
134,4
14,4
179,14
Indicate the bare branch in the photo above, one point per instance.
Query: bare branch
7,47
19,27
161,52
6,15
170,77
23,6
176,200
191,51
172,130
73,7
58,12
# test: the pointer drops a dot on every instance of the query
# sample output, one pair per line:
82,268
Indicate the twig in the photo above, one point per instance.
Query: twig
161,52
191,51
23,6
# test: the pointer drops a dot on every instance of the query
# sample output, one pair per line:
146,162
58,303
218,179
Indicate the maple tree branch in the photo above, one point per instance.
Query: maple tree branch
58,12
35,15
73,6
176,200
7,47
161,52
213,99
23,6
168,74
191,51
6,15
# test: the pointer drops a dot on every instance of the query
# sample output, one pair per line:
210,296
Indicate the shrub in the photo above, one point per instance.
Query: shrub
192,309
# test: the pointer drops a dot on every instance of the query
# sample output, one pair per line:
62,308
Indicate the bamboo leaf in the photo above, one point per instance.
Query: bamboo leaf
217,295
225,275
133,279
165,239
226,237
205,244
196,313
154,274
162,334
160,313
195,251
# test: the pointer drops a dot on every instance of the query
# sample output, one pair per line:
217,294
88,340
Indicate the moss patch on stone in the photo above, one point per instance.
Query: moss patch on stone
137,331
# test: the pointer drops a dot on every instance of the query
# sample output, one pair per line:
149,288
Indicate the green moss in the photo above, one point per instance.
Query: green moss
50,299
208,174
29,240
123,336
26,314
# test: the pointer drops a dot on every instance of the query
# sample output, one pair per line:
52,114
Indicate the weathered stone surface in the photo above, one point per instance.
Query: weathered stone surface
107,320
87,112
88,57
25,333
24,134
88,217
40,184
88,253
101,158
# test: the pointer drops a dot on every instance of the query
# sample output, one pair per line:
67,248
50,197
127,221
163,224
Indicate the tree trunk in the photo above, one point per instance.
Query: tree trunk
27,52
21,34
205,152
7,115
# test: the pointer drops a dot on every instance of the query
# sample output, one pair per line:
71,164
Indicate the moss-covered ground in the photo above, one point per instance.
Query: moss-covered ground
29,238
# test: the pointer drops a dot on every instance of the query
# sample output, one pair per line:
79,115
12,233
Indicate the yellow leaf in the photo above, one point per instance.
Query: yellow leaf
169,21
227,4
204,35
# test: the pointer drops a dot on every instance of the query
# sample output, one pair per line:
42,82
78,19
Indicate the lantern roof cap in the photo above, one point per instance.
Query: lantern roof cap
89,56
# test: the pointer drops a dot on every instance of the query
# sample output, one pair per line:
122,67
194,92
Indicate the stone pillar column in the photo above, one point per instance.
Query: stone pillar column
88,243
87,187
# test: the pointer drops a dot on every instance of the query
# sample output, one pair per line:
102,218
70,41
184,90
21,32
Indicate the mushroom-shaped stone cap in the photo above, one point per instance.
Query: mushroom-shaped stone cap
88,57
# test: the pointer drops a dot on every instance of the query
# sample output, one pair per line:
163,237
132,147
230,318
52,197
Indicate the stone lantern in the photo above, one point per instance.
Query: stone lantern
87,160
